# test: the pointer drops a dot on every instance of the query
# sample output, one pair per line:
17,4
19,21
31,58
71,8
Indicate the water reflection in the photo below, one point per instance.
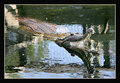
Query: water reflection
72,28
37,57
42,52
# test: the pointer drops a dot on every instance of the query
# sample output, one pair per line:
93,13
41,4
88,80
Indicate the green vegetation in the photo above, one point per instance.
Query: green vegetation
104,37
34,53
13,75
11,60
67,14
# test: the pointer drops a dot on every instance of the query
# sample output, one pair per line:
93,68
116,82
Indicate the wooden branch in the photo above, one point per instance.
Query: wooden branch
83,53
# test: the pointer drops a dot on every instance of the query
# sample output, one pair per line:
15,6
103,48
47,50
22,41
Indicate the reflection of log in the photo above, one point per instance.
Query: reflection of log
106,54
83,53
105,26
25,43
99,29
10,13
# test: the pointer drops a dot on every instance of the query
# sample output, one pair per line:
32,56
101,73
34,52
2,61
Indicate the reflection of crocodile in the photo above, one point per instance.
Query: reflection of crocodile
75,45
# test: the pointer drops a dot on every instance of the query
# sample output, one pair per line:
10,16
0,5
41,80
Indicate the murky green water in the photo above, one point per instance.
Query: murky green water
33,57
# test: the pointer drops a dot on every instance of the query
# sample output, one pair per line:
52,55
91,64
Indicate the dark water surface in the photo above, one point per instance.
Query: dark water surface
37,57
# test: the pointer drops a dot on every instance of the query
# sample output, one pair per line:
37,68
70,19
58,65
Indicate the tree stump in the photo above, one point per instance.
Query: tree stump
83,52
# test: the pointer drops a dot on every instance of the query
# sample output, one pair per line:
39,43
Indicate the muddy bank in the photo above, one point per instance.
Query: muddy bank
72,70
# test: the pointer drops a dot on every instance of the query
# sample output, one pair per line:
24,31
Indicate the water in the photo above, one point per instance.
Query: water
72,28
36,57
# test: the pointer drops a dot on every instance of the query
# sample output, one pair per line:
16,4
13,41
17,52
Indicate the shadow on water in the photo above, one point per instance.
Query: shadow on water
29,56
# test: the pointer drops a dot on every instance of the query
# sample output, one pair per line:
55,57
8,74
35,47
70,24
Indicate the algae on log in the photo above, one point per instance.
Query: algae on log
83,53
